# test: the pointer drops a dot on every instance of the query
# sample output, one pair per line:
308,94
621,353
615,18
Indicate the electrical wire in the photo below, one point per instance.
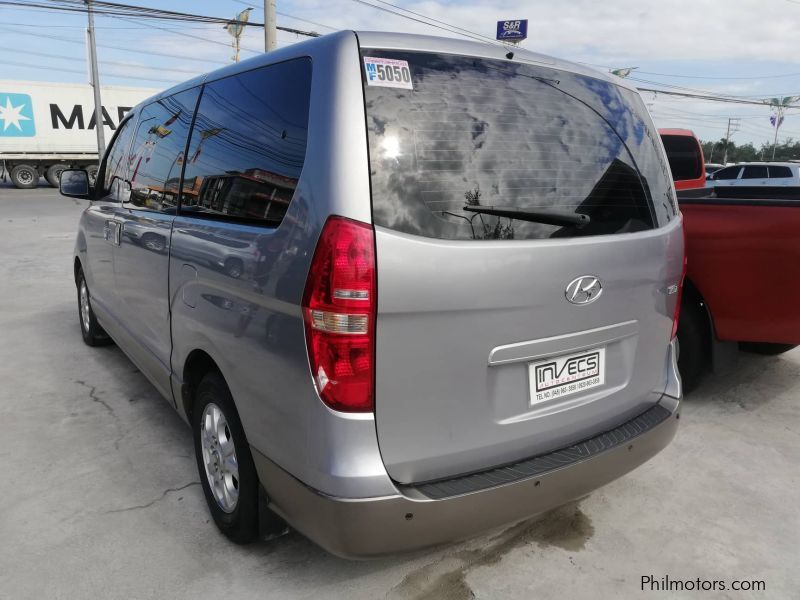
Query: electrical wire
113,47
101,8
189,35
288,16
115,75
126,65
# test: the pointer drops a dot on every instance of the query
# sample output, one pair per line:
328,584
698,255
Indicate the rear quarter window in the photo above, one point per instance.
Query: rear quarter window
475,133
780,172
248,144
684,155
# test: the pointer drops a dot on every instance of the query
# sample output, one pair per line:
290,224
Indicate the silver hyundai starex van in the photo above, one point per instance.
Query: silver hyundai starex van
403,288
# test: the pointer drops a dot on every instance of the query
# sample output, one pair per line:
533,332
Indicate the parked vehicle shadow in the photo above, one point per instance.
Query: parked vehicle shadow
755,381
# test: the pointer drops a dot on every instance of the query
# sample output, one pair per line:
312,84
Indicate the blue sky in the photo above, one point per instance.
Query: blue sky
744,48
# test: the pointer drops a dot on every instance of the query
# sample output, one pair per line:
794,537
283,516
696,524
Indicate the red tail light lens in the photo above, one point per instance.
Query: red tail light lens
676,315
339,305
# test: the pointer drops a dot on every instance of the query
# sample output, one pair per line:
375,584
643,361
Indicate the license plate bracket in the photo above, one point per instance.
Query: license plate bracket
562,376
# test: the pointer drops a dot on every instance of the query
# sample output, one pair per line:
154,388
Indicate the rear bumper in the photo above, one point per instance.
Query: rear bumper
366,527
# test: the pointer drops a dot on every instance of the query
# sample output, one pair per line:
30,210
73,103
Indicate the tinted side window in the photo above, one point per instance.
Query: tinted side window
154,164
249,143
114,168
684,156
754,173
728,173
779,172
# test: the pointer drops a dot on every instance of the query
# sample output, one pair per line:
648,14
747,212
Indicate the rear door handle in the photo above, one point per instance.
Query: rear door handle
112,232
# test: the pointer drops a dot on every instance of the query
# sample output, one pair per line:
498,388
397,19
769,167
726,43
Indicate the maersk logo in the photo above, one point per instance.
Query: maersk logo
16,115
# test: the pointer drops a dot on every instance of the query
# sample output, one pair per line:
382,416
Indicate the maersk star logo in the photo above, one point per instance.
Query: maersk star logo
16,115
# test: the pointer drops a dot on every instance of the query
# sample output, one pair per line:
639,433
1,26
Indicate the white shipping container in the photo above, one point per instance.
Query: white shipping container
47,124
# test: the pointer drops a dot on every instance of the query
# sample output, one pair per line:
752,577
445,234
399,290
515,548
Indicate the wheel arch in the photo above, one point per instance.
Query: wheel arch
198,363
692,294
77,267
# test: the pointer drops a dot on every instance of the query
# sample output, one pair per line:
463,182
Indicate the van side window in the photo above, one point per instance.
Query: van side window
114,167
779,172
754,173
156,157
248,144
728,173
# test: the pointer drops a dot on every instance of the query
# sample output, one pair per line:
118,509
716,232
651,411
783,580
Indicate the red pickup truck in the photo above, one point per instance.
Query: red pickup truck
742,288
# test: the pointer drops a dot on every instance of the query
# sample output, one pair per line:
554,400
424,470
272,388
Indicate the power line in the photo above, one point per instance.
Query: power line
113,47
83,72
49,26
288,16
729,99
189,35
695,90
113,9
126,65
680,76
450,29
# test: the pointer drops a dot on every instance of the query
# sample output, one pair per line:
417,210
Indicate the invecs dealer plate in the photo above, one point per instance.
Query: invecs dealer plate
566,375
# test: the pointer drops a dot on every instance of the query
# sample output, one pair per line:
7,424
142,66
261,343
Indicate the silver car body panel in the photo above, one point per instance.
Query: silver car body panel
462,394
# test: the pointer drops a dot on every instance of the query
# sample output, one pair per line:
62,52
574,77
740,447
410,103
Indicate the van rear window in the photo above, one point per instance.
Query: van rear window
479,149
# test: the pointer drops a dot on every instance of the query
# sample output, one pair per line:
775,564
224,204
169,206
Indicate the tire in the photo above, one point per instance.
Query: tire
93,334
694,343
92,170
25,177
230,487
53,173
765,348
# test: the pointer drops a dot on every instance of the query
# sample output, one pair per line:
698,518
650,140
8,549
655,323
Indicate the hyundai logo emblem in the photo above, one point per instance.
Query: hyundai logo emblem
584,289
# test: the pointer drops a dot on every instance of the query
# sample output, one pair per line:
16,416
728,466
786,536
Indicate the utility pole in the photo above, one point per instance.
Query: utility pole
270,26
735,124
95,81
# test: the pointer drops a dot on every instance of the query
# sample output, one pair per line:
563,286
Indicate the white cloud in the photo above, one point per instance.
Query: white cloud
603,31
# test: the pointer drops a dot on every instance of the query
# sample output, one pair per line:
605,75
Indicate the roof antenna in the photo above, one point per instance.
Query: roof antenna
510,55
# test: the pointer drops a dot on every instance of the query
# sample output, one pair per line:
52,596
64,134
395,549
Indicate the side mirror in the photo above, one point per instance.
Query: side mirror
74,183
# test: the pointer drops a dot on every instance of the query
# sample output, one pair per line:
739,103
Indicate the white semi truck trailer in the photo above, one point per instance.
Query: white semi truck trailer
48,127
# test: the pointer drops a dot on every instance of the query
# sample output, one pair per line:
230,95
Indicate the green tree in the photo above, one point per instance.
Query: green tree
789,149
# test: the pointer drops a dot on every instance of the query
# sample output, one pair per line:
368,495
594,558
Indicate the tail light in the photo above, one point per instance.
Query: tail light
676,315
339,305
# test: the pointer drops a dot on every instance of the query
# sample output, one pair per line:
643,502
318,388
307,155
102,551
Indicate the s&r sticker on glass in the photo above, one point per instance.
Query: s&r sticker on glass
388,72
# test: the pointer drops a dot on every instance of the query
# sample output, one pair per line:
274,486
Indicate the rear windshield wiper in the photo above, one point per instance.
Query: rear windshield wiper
546,216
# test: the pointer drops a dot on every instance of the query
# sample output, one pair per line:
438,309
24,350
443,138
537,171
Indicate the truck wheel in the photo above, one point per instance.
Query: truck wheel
694,343
53,174
227,472
25,177
765,348
92,170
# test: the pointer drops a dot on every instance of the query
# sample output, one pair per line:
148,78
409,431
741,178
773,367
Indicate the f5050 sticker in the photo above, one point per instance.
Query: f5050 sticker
388,72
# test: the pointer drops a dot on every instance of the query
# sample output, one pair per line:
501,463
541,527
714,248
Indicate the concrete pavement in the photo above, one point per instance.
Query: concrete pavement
100,493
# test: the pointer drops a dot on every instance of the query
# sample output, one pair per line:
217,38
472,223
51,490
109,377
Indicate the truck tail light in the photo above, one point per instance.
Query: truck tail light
339,305
677,313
